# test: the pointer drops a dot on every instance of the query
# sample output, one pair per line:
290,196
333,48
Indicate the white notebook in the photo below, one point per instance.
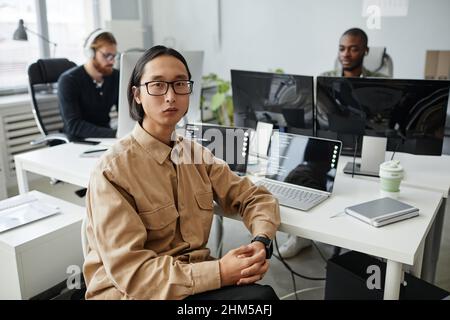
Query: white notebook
382,211
23,209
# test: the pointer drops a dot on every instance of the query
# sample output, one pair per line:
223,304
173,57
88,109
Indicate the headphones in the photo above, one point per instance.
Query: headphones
89,52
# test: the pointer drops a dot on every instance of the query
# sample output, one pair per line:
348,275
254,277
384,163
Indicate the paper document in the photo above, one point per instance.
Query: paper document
23,209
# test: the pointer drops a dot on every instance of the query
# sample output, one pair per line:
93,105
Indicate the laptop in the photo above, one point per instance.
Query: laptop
230,144
301,170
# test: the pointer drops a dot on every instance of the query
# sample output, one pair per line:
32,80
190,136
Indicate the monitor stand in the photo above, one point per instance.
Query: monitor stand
373,154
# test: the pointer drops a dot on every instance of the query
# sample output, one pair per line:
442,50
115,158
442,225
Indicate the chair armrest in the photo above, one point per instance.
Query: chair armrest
50,137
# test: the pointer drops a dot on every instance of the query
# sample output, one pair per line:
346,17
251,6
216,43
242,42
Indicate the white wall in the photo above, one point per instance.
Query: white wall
299,36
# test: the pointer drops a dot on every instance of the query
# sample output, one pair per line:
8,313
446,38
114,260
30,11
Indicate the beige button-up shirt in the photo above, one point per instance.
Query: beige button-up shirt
150,209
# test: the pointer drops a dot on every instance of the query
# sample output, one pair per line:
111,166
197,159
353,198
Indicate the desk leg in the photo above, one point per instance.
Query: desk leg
417,268
22,179
393,280
433,245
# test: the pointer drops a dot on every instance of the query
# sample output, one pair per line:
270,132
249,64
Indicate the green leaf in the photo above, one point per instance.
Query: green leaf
223,86
216,101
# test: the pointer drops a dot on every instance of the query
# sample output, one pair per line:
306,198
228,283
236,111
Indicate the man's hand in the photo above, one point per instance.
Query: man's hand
245,258
256,271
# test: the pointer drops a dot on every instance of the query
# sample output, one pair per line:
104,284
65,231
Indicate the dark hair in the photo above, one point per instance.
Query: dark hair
136,109
356,32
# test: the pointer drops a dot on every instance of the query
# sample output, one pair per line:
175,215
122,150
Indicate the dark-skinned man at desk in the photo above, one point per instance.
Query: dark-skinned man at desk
353,47
150,204
87,93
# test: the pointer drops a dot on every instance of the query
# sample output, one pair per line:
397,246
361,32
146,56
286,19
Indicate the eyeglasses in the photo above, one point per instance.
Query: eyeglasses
160,88
109,56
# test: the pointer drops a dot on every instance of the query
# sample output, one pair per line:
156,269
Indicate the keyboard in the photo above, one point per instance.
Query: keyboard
293,197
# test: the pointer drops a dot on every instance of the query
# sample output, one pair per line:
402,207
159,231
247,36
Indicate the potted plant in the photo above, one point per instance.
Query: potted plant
221,103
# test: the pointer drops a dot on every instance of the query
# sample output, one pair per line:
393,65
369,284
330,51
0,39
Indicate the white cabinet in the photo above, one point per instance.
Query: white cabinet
37,256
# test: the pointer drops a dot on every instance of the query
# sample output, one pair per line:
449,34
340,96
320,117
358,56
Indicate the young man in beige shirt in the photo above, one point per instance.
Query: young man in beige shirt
150,204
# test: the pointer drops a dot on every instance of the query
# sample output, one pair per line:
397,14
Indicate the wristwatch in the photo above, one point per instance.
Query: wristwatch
267,243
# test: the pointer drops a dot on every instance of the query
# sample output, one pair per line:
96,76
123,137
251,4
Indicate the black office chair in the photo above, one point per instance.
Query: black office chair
42,80
43,77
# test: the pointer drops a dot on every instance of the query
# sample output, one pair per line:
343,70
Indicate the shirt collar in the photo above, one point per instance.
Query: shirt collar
155,148
364,72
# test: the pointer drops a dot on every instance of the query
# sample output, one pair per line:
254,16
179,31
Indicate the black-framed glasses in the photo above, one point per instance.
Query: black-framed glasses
109,56
160,88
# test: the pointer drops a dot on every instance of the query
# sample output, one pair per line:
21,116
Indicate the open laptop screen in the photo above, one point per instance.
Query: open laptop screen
304,161
230,144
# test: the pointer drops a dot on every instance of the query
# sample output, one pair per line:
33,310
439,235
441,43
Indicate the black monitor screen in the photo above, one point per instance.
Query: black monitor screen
230,144
284,100
410,113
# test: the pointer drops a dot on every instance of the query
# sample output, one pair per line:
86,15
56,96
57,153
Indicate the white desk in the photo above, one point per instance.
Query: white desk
400,243
35,257
427,173
62,162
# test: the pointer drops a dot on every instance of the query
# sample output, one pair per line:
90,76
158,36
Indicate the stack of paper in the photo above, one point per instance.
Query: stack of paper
23,209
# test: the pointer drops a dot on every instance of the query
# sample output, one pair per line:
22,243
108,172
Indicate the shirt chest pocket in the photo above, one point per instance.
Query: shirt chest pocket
160,223
205,205
205,200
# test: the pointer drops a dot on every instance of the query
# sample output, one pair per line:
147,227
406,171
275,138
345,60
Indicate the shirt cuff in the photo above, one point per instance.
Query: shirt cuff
206,276
264,228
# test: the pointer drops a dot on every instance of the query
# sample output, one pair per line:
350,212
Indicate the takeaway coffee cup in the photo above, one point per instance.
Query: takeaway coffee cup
391,175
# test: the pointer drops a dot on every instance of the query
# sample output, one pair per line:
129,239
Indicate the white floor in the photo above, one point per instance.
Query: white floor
309,262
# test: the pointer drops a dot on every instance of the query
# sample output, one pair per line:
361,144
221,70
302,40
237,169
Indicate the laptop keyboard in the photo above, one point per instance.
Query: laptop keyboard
303,199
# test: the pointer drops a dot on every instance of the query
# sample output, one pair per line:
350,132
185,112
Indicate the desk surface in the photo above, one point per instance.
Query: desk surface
399,241
426,172
63,162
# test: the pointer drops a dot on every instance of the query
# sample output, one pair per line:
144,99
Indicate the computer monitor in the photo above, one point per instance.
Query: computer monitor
284,100
128,60
230,144
410,114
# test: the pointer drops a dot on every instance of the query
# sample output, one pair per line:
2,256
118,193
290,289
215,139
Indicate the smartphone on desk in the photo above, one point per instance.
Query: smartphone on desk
91,142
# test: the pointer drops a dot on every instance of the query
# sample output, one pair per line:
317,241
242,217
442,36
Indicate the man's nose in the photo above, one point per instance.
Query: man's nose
170,94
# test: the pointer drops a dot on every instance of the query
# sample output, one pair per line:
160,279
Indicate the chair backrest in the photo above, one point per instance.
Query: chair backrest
84,240
379,61
376,61
42,80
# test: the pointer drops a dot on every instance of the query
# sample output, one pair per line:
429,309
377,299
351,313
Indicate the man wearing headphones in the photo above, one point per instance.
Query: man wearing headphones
352,50
87,93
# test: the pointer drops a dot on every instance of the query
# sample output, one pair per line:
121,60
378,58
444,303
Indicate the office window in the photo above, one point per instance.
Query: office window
16,55
69,22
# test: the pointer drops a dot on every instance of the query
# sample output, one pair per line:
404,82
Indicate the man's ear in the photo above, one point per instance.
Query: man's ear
367,51
136,95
